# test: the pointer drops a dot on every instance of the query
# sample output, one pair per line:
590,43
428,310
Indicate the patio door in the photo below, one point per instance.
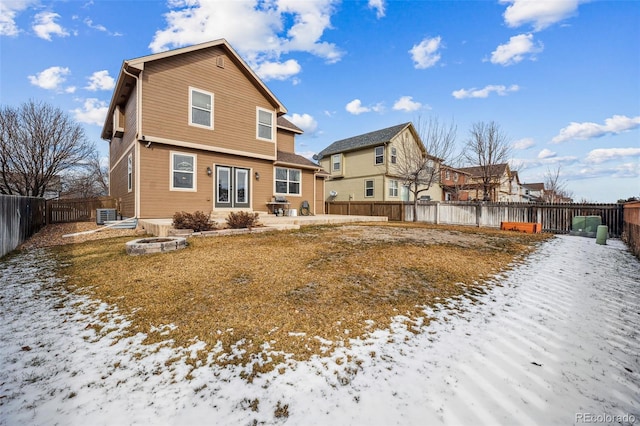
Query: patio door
232,189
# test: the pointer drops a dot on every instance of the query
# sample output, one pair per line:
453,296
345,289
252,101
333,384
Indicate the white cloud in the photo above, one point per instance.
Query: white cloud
50,79
541,14
93,111
261,31
304,121
587,130
278,70
546,153
485,92
45,26
378,6
425,54
8,12
525,143
100,80
515,50
406,103
601,155
355,107
89,23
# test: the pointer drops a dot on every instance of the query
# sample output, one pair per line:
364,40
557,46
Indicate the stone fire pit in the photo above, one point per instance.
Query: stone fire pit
155,245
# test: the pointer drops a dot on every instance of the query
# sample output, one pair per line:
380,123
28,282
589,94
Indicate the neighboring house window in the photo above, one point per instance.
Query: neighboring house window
288,181
393,188
129,172
394,155
455,176
447,175
379,155
201,105
265,124
368,188
183,177
336,160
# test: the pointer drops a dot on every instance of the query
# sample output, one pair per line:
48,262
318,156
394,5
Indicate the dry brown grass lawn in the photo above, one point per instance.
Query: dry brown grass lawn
283,290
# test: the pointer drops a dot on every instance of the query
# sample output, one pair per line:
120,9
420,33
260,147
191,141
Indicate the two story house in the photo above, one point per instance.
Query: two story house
454,183
196,129
502,184
366,167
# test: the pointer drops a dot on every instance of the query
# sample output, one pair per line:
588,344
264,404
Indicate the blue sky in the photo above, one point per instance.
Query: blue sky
561,77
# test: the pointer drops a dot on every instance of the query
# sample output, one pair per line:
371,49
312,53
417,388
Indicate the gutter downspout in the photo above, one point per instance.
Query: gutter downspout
136,204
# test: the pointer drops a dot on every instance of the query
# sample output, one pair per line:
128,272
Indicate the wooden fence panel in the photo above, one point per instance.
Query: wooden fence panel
392,210
73,210
631,227
556,218
20,217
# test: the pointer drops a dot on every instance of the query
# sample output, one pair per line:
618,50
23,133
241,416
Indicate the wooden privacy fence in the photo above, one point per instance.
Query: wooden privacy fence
556,218
20,217
393,210
631,226
72,210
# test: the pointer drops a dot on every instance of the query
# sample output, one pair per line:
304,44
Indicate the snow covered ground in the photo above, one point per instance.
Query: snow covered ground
556,341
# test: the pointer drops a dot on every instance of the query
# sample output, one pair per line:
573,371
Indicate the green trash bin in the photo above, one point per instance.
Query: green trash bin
601,234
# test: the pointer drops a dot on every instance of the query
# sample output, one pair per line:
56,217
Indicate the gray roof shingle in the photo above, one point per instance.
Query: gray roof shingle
362,141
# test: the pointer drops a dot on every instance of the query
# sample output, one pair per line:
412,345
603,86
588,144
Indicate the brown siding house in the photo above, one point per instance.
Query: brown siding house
196,129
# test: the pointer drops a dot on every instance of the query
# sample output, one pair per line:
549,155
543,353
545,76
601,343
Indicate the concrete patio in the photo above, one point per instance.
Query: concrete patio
161,227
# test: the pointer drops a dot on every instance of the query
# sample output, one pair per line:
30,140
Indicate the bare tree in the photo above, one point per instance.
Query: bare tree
38,143
555,188
417,166
89,181
487,147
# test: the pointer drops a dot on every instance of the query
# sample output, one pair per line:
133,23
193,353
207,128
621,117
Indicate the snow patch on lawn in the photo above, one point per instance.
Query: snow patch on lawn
553,338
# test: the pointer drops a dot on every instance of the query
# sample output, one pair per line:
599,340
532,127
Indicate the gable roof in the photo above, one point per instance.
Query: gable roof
291,159
538,186
477,171
365,140
283,123
133,67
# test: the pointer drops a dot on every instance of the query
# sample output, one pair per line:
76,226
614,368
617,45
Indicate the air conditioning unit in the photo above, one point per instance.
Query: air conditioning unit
118,122
104,215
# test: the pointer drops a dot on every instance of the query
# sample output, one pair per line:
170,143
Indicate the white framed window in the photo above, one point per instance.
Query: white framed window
368,188
379,155
447,175
336,162
393,188
200,108
394,155
455,176
129,172
264,124
288,181
183,172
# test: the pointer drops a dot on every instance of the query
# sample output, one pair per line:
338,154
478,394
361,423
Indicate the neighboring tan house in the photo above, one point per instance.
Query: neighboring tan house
453,183
365,167
196,129
533,192
503,184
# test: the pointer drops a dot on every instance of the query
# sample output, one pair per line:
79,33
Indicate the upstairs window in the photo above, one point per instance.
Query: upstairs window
336,161
183,168
265,124
394,155
201,108
379,155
